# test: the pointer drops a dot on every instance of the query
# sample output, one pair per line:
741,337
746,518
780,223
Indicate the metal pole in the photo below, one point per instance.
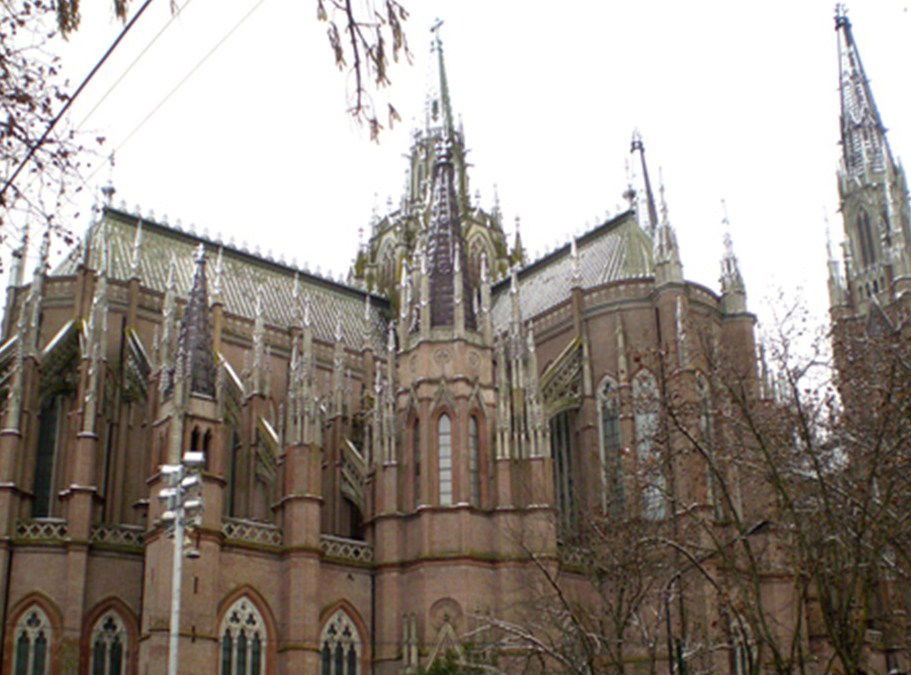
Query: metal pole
176,578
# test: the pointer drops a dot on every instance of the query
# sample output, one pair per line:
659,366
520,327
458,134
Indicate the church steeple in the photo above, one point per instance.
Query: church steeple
863,136
438,114
872,186
651,212
445,248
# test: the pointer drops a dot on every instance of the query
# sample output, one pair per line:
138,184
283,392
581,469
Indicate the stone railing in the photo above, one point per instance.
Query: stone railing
118,535
345,549
251,532
42,529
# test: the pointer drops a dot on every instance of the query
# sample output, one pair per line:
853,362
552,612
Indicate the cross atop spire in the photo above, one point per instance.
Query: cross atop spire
439,108
651,211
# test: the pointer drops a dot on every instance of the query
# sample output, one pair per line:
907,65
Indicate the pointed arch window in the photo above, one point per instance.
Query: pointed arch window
243,640
706,434
444,453
611,446
109,645
562,446
474,460
46,459
651,475
416,459
865,238
340,646
31,654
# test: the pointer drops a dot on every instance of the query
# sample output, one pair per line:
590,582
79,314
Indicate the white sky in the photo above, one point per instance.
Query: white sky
735,100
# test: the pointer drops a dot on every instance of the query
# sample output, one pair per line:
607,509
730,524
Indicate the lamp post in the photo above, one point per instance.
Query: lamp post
183,510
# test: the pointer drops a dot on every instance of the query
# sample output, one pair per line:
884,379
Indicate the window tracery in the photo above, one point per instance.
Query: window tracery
32,643
646,412
243,640
109,645
611,445
340,650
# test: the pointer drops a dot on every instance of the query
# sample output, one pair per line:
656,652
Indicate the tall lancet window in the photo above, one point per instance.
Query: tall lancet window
243,640
340,646
32,641
416,462
109,645
474,460
444,450
561,442
865,239
611,446
651,473
46,460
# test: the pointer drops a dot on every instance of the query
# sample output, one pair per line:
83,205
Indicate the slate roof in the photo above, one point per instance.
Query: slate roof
618,249
243,274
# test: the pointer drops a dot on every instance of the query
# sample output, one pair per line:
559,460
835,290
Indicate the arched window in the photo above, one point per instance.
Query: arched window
109,645
340,646
444,452
46,460
243,640
645,407
561,443
865,238
416,459
32,643
706,438
611,446
474,460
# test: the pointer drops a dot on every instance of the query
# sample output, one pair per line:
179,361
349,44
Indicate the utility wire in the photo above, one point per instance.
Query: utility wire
176,87
139,56
69,102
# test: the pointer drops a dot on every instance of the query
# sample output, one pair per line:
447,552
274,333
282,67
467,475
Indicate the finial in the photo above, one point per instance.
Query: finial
513,281
199,254
219,270
172,272
661,195
306,319
390,337
338,329
367,307
137,249
484,271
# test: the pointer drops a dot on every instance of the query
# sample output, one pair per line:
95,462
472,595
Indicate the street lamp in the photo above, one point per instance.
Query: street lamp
183,511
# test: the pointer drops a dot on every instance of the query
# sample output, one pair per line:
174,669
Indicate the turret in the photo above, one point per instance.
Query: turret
733,291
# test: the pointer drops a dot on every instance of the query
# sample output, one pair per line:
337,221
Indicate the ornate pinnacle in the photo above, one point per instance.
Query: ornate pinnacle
137,250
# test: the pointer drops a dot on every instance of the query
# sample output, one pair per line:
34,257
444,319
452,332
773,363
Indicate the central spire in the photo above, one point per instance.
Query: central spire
439,108
445,248
863,136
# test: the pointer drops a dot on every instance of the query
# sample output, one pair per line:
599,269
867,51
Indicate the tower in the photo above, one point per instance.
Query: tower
873,194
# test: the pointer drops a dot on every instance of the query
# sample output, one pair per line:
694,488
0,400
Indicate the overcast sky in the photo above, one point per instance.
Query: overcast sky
734,100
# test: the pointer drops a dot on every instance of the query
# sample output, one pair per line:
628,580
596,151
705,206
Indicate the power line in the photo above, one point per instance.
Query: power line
66,106
139,56
176,87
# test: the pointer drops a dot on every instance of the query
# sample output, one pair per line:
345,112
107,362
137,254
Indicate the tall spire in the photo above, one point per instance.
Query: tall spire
872,187
439,108
195,345
444,245
863,136
651,211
